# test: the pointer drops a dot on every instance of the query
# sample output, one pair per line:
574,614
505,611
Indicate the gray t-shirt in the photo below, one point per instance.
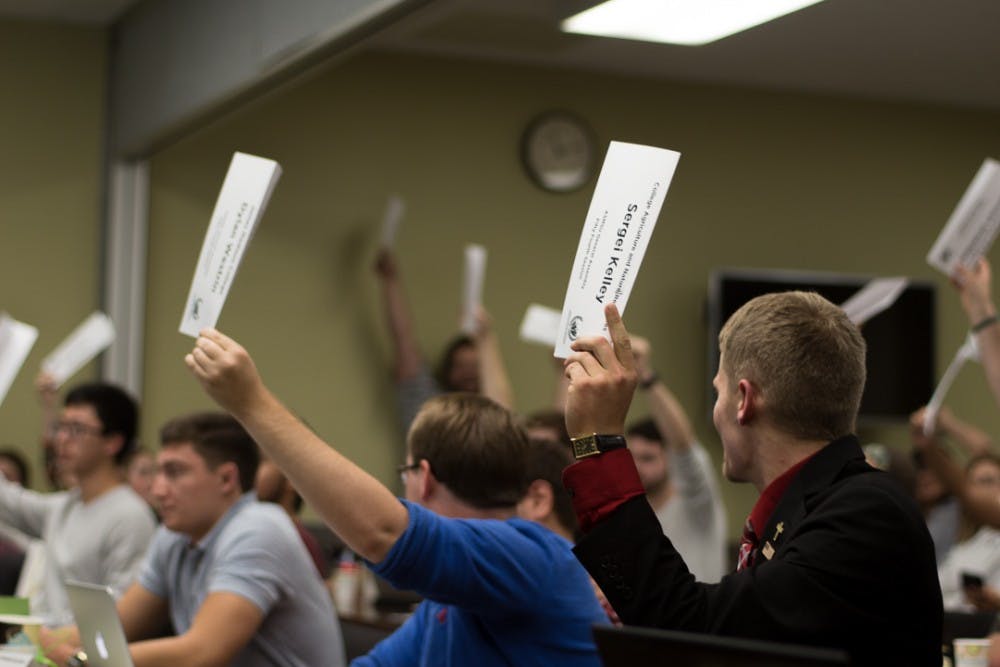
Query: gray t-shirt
694,518
255,552
99,542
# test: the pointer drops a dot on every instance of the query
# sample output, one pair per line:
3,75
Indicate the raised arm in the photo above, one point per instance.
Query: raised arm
971,439
408,361
666,410
365,514
494,383
974,288
48,394
983,508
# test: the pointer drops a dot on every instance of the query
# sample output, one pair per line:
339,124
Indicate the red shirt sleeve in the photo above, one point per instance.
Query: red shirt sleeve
599,484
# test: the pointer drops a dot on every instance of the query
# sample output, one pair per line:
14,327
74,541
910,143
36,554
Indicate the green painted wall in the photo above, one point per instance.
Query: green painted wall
51,129
766,180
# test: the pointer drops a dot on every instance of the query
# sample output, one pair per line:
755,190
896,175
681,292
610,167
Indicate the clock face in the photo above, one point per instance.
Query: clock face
558,152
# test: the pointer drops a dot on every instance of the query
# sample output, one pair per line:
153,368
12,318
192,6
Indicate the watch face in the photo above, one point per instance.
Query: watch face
558,151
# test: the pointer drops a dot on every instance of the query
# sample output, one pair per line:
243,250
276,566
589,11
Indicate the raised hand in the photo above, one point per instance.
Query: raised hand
602,379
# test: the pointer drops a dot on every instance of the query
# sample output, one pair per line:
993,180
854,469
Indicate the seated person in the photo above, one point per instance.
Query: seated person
228,572
546,501
97,532
498,590
13,542
469,363
834,553
677,475
940,504
140,471
977,551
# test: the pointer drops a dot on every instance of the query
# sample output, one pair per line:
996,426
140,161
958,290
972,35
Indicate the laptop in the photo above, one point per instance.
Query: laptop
101,632
634,647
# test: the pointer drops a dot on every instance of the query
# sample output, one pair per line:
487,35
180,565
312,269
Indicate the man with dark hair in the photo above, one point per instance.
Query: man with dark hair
98,531
834,553
546,501
498,589
226,572
469,363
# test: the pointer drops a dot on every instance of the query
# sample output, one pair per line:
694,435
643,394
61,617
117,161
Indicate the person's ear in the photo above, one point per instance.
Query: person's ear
538,502
749,402
428,483
229,475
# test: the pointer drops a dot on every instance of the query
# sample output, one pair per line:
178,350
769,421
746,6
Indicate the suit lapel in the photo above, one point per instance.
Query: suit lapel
818,473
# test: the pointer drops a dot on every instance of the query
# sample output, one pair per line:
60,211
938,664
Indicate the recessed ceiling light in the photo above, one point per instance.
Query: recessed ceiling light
690,22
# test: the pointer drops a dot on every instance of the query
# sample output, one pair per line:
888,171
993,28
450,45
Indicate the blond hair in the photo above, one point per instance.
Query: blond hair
805,357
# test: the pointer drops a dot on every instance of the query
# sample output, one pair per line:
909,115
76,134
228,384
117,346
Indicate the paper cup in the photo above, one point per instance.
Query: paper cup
972,652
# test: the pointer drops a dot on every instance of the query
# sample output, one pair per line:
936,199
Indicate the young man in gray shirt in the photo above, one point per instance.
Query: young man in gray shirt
98,531
228,572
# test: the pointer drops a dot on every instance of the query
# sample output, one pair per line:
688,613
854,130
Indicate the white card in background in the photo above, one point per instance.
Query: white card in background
968,352
394,210
877,296
623,212
472,286
973,224
540,325
242,200
16,341
88,340
11,657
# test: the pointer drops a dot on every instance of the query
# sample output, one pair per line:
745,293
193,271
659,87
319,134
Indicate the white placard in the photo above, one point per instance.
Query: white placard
973,225
242,200
623,212
394,210
88,340
472,286
968,352
540,325
874,298
10,657
16,341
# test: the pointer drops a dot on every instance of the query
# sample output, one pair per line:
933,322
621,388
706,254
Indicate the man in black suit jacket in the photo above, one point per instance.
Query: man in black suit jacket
834,553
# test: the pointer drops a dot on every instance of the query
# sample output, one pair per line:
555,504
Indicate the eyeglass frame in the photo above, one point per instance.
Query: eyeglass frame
75,429
404,468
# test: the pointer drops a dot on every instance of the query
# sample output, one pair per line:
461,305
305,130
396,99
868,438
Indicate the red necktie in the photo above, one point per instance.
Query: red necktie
748,547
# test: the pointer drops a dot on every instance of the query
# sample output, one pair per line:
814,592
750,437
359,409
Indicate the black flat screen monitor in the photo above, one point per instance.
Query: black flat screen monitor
900,340
636,647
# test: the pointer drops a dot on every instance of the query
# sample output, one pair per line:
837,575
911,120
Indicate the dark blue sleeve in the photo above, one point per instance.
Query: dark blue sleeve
486,566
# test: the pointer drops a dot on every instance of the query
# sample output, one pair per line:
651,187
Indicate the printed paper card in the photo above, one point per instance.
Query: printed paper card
472,286
88,340
540,325
874,298
973,226
16,341
623,211
244,196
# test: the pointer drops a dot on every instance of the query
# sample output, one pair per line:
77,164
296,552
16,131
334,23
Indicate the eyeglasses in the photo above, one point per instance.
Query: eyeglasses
77,429
404,468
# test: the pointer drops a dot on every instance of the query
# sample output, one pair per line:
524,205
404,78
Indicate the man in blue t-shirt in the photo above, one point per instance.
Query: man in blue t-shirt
500,590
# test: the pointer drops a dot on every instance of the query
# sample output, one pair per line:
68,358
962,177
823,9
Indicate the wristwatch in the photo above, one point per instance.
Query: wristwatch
594,444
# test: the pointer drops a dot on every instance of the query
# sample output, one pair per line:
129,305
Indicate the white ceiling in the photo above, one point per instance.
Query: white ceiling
943,52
